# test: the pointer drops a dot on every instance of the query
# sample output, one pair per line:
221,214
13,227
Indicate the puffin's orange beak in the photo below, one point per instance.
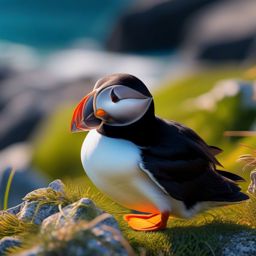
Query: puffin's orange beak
83,117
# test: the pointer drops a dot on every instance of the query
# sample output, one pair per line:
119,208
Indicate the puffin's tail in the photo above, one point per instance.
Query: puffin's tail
218,186
231,176
232,179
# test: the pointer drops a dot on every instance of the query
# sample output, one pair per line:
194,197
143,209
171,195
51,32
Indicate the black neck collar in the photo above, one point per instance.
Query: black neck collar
141,133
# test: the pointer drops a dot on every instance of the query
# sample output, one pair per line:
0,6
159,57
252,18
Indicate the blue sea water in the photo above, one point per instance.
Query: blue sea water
67,37
54,24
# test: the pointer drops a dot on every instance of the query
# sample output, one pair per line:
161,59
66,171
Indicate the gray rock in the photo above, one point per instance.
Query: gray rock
77,229
242,244
18,124
35,251
84,209
224,31
83,238
83,229
37,212
154,26
89,242
7,243
111,222
252,186
21,95
6,72
57,185
106,235
36,207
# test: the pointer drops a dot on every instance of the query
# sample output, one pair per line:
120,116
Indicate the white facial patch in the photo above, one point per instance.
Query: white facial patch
124,111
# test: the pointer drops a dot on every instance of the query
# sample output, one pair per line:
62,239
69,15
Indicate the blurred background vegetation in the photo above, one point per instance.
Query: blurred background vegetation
197,57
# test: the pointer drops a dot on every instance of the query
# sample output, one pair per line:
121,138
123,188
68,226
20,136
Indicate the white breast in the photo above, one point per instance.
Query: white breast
113,166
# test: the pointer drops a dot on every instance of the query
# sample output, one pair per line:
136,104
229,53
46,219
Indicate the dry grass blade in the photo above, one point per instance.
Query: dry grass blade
47,195
249,165
248,159
240,133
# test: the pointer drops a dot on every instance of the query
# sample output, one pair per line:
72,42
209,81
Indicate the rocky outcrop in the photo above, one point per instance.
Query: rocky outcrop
242,244
77,230
157,26
27,98
65,228
225,31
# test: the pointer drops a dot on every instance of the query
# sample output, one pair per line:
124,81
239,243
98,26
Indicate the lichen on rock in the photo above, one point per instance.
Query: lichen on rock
42,203
84,209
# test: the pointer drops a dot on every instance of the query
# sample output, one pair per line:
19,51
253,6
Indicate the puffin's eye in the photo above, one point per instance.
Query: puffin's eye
113,96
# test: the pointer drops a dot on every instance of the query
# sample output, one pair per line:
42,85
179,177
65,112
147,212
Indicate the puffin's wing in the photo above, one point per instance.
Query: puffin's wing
176,141
184,166
192,181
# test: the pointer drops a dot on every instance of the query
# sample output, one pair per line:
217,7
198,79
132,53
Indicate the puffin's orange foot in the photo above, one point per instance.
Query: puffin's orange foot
147,222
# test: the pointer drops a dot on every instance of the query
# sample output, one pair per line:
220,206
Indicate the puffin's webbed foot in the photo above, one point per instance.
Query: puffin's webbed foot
147,222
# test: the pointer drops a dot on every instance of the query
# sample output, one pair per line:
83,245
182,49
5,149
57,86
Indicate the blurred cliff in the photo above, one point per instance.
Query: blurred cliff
52,52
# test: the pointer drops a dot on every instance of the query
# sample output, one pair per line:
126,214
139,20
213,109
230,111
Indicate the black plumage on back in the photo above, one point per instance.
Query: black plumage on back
185,166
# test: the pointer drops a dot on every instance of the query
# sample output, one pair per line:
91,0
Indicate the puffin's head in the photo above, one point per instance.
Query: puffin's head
116,100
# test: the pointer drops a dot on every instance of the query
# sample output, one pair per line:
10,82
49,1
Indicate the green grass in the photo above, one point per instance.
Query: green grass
10,225
57,150
172,102
7,189
169,99
200,235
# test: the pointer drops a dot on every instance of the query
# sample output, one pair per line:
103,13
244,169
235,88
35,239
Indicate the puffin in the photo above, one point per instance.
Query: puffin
154,167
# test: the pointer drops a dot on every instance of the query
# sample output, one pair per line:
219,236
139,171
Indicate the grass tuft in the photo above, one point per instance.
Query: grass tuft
11,225
47,195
